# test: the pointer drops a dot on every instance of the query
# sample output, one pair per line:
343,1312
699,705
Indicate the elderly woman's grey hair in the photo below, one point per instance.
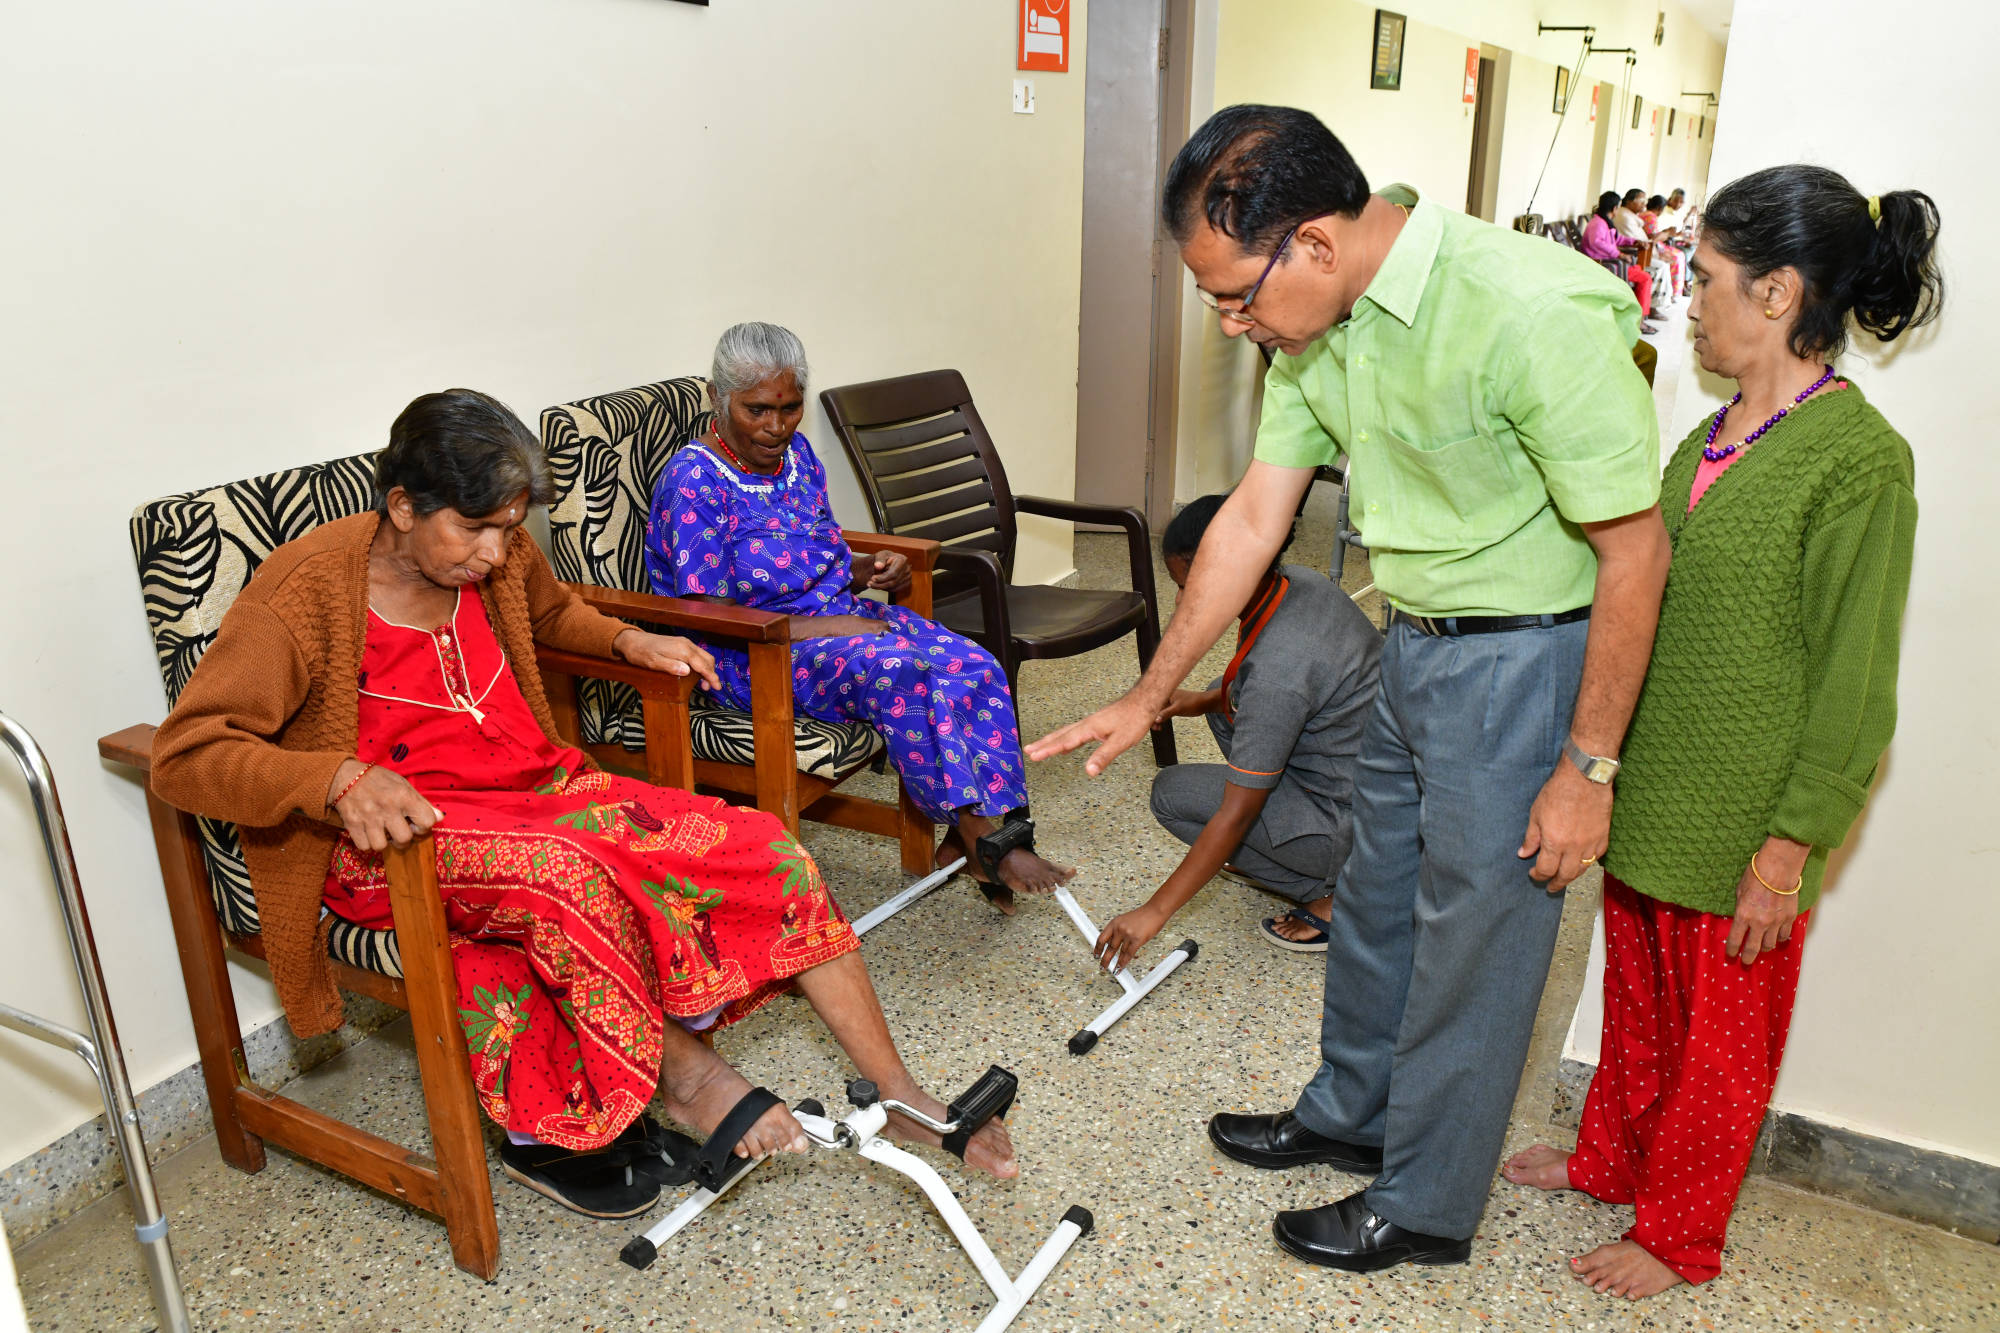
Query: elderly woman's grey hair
748,354
463,450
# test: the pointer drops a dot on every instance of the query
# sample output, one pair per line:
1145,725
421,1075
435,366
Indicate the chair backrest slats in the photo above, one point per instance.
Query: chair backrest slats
939,503
911,485
945,426
904,462
917,442
943,530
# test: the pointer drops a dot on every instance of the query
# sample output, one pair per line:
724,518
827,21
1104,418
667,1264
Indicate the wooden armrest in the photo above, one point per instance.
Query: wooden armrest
651,684
727,622
132,747
921,552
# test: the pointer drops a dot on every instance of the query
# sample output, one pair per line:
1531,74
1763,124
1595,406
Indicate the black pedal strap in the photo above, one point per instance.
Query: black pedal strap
995,845
988,1099
717,1164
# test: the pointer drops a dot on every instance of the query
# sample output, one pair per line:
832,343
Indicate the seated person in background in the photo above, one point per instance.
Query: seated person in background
1661,233
1287,715
1600,242
741,517
376,681
1631,228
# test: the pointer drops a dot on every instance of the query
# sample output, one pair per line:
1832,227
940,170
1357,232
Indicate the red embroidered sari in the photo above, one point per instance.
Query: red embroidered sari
585,908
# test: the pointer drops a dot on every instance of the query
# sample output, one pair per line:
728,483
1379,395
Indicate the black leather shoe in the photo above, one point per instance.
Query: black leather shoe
1279,1141
1348,1235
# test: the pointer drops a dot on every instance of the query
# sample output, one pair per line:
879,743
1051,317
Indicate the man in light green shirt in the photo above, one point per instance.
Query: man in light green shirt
1504,459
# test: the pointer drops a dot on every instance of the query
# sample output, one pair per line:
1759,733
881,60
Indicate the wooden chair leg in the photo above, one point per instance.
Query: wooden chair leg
205,972
915,833
456,1139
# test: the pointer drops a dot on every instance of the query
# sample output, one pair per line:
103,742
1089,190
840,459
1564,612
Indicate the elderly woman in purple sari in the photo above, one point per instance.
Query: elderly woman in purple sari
741,516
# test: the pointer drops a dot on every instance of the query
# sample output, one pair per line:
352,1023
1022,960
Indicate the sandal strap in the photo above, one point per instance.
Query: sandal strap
716,1164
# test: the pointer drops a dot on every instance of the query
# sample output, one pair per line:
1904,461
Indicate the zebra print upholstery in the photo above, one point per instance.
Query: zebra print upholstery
606,453
195,552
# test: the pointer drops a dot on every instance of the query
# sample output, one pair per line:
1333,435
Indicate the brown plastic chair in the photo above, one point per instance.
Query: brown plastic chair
929,469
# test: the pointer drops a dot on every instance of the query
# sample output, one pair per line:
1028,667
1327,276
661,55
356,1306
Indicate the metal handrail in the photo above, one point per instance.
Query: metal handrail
100,1050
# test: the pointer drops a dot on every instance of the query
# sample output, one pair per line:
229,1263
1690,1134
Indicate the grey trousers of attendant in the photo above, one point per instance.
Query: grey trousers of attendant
1187,796
1440,942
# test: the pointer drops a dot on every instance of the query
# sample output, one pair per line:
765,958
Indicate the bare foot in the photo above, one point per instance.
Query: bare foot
951,849
701,1087
1298,931
1025,872
1623,1269
990,1150
1543,1167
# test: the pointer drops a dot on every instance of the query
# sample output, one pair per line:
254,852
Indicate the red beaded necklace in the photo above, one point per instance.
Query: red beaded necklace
715,429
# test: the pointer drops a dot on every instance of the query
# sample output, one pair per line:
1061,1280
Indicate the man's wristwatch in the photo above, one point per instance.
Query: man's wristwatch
1596,767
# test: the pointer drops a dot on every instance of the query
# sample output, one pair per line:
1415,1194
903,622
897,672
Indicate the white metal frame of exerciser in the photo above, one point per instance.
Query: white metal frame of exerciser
1135,988
861,1131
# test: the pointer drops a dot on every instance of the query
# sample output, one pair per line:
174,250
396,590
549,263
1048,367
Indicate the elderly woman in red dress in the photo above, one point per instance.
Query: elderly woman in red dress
376,681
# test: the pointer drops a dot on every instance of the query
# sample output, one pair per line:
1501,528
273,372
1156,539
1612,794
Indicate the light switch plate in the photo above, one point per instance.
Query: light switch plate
1024,97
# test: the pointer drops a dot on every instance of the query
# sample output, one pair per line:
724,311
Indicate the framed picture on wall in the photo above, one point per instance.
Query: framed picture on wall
1562,89
1385,71
1638,104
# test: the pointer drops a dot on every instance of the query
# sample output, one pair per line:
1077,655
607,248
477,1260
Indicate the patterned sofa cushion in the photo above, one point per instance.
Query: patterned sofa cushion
195,551
606,454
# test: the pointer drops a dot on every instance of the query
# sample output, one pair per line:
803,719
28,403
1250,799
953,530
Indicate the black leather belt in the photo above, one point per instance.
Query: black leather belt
1440,626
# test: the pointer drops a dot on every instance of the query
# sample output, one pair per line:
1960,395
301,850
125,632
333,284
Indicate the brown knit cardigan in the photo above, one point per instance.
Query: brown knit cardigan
273,711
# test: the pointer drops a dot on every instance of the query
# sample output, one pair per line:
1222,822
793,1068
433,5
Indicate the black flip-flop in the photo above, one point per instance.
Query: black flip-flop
1316,944
662,1154
601,1182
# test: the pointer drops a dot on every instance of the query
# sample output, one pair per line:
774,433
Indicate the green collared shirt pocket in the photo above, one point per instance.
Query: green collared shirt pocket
1406,494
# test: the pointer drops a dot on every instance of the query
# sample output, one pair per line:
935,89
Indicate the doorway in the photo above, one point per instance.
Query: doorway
1136,99
1479,200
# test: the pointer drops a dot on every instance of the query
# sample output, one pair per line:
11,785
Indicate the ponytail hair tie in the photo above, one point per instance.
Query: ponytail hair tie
1875,209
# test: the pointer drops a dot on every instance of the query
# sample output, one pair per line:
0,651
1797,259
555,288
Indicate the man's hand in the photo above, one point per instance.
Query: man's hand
1763,919
381,808
1116,728
889,572
1123,936
666,652
1569,827
1189,703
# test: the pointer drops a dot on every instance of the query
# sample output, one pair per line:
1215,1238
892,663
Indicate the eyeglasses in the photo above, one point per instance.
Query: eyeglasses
1240,312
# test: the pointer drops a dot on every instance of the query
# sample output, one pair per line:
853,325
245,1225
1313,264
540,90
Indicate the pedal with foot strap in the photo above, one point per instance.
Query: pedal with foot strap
861,1132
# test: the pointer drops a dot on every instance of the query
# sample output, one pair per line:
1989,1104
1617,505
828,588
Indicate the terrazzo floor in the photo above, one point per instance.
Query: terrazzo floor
832,1242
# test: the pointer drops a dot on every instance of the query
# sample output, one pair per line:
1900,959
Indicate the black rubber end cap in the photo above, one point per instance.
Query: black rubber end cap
640,1252
1193,949
863,1094
811,1106
1081,1043
1081,1216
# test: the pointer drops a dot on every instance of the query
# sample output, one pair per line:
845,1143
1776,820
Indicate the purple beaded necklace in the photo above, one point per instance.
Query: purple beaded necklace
1715,455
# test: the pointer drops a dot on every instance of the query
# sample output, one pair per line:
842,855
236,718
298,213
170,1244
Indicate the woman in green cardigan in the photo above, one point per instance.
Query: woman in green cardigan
1771,695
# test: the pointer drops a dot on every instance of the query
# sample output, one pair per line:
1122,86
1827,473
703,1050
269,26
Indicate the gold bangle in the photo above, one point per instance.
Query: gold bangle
1782,893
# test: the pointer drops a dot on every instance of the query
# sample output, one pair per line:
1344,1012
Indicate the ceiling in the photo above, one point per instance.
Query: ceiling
1712,15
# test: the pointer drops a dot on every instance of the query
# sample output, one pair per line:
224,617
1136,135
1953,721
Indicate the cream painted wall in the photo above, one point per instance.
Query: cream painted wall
1315,54
1896,1031
244,234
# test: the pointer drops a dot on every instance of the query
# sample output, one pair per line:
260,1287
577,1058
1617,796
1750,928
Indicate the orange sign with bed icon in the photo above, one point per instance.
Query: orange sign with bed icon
1044,42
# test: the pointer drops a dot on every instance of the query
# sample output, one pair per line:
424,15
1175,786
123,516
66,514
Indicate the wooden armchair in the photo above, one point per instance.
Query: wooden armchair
607,454
930,470
195,553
